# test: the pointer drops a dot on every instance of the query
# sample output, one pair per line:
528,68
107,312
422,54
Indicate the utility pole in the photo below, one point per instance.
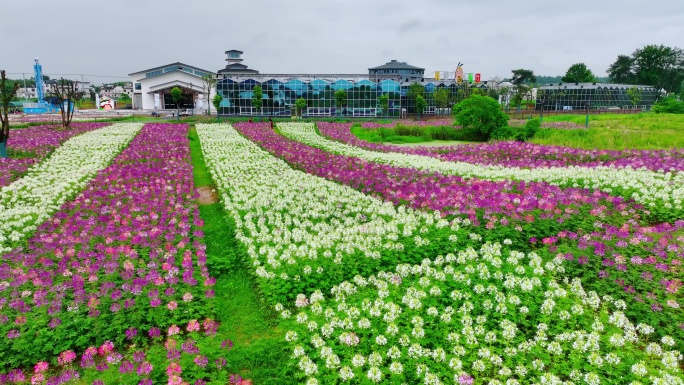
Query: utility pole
24,77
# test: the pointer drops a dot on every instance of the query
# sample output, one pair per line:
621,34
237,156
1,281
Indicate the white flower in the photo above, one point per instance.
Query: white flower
374,374
346,373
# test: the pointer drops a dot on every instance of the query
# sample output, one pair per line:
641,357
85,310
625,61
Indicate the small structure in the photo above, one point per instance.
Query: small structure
42,107
152,87
235,66
393,68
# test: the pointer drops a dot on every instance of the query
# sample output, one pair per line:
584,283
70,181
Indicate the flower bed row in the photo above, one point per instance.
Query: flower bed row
517,205
661,193
29,201
122,254
192,354
522,155
302,231
579,226
30,145
492,316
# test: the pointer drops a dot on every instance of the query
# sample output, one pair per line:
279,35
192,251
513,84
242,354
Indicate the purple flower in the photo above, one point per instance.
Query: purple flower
126,367
131,333
154,332
465,379
201,361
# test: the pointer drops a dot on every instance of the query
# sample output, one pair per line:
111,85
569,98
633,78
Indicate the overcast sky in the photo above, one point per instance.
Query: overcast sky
492,37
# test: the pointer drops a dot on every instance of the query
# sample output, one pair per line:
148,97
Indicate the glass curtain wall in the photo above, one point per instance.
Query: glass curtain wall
362,96
595,97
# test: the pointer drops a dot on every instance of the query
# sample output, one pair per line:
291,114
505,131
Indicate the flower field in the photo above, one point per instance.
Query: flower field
30,145
661,192
523,155
33,198
498,263
121,255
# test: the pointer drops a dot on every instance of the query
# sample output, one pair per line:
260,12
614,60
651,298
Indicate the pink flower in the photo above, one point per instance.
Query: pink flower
193,326
41,367
172,305
173,330
106,348
37,379
187,297
66,357
173,369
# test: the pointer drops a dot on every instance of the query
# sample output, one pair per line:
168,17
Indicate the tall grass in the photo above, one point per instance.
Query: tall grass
645,131
412,134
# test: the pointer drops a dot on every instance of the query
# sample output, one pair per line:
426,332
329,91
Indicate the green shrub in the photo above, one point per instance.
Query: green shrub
528,131
482,114
669,105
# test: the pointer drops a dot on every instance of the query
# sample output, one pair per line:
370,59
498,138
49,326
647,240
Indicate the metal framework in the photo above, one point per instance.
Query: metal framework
280,91
594,96
38,74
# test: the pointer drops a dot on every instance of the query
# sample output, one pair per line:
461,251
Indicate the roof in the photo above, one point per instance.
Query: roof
591,86
396,65
234,50
169,65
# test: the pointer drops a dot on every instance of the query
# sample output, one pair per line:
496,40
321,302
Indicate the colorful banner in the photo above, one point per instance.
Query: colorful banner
470,77
477,78
459,74
437,75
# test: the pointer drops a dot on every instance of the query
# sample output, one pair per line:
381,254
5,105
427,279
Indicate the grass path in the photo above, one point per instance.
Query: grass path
259,353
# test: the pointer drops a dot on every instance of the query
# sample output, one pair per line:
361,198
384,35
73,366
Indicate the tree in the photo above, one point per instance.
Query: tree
420,105
300,105
634,94
522,80
621,70
257,99
340,100
482,116
209,82
578,73
659,66
383,100
217,103
6,95
67,94
177,96
654,65
522,76
415,90
441,98
124,97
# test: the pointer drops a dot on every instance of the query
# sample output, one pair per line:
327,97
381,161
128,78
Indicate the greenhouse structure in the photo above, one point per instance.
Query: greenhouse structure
363,94
594,96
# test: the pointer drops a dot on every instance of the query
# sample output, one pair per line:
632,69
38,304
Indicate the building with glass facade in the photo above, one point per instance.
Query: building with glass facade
236,85
280,92
595,96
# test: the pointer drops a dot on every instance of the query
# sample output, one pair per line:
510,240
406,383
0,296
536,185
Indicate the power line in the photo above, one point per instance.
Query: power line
56,74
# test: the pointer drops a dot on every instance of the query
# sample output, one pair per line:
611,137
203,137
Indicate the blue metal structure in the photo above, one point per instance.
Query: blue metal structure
42,107
38,75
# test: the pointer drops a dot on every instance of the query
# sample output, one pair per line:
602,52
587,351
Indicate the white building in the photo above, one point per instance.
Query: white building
151,88
27,93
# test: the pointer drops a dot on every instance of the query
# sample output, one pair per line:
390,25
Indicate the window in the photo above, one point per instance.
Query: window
138,87
234,55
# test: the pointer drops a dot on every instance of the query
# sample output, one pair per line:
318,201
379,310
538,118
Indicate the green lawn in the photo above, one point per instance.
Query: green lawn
645,131
260,353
